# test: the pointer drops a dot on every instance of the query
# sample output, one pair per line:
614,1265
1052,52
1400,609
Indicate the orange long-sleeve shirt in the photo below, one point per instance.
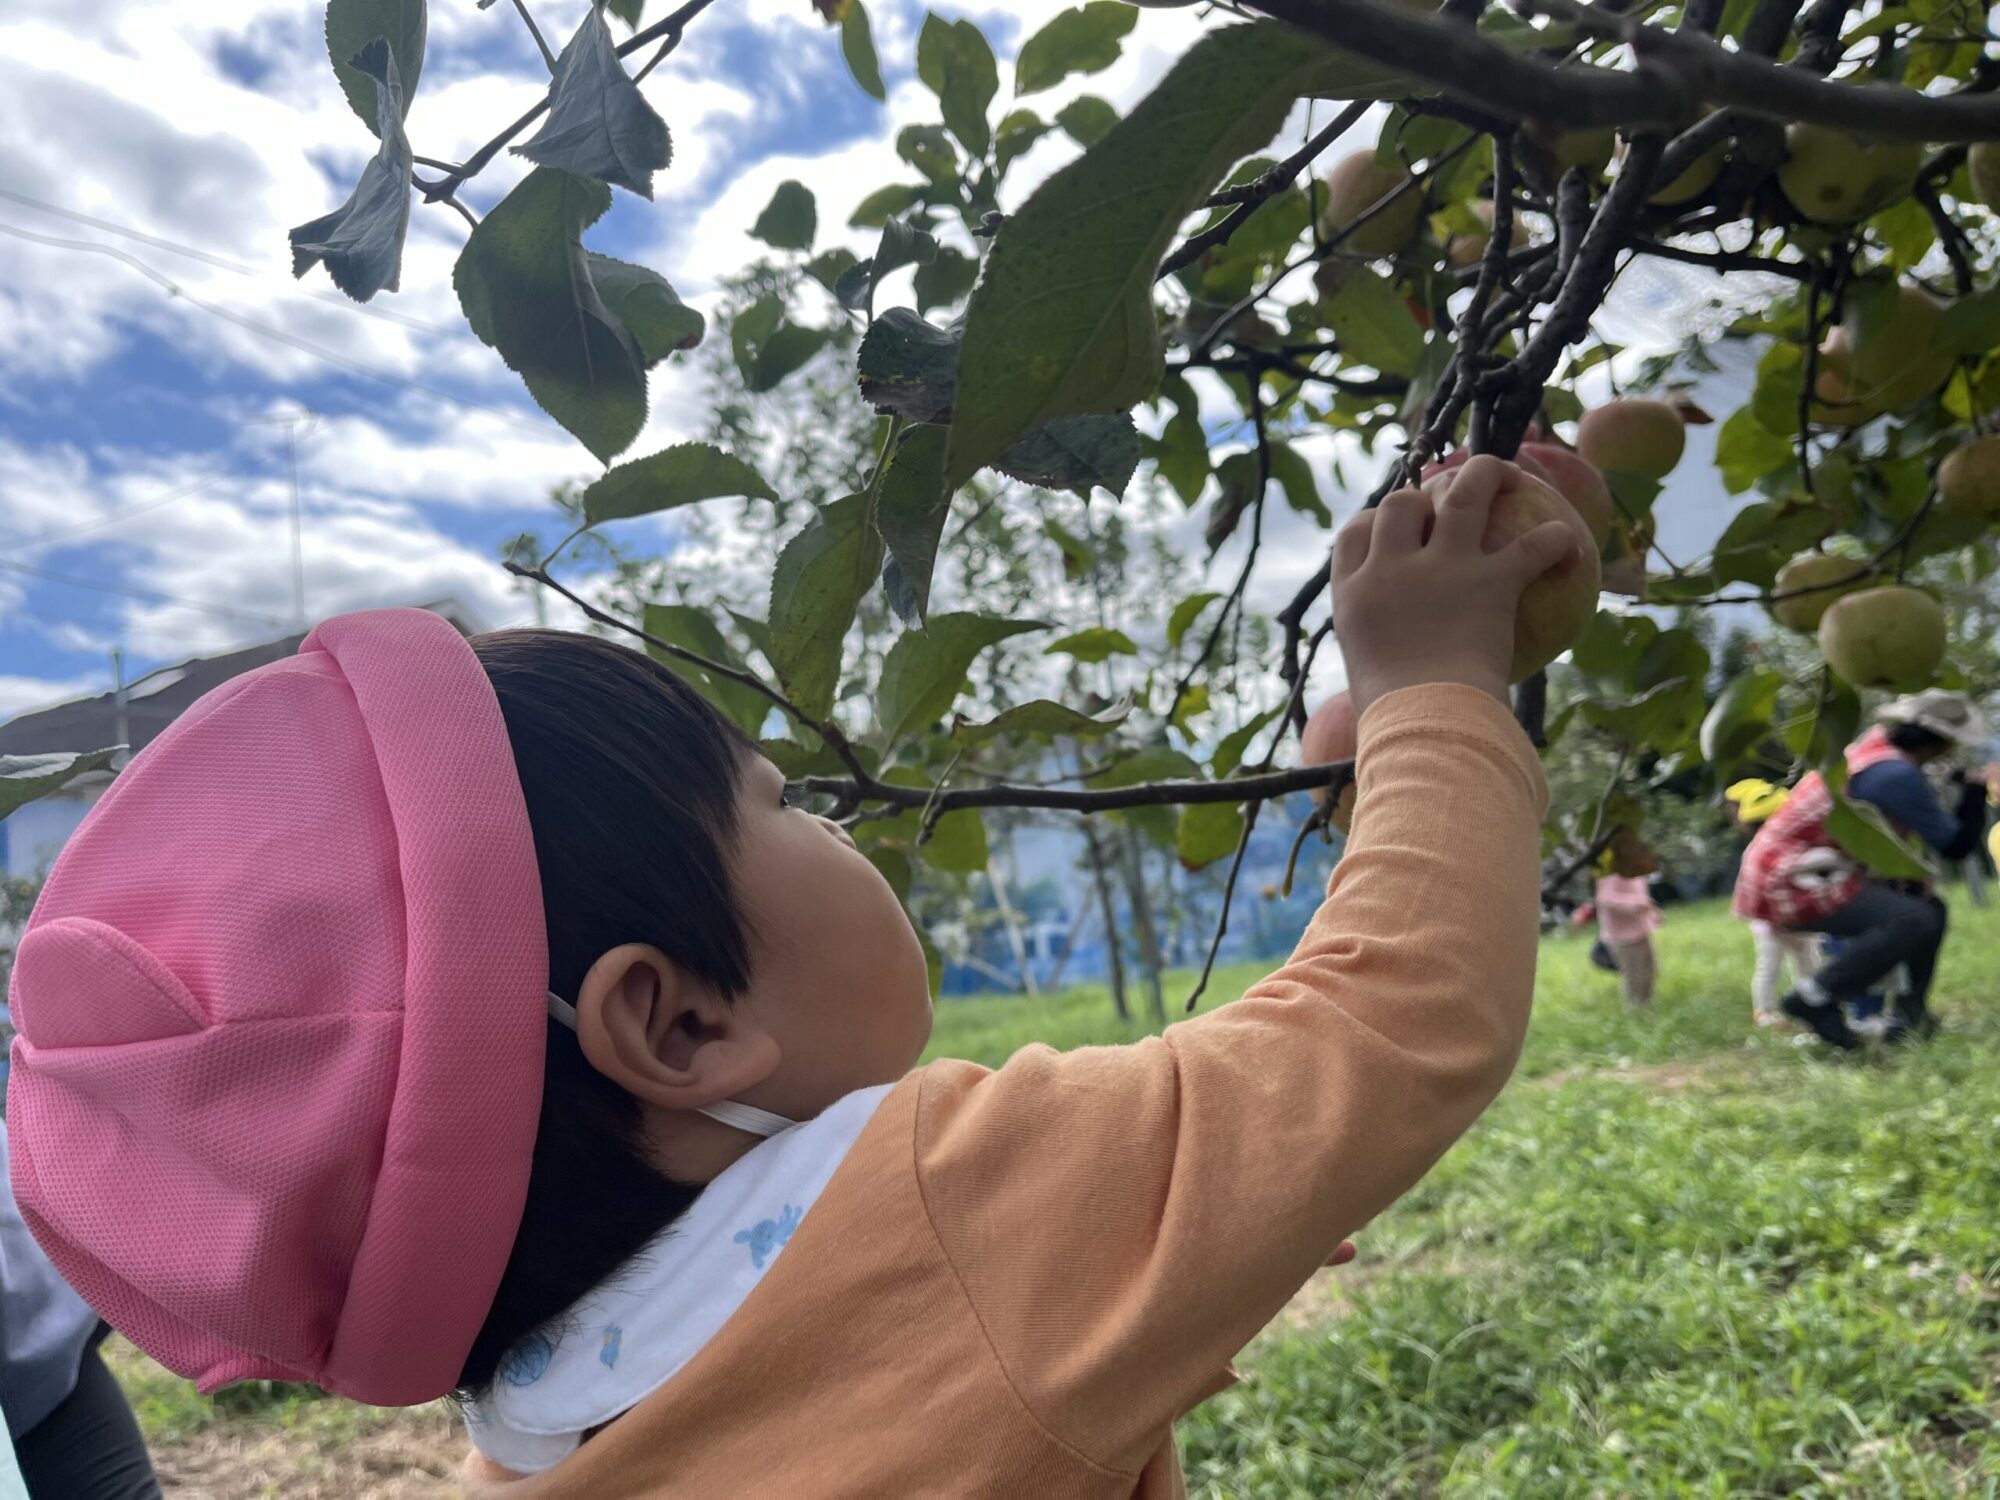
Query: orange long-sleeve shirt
1020,1277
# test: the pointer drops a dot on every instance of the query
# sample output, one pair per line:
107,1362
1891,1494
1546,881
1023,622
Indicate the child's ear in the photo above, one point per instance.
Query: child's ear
664,1036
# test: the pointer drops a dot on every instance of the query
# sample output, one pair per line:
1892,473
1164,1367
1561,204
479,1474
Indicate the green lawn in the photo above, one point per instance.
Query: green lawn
1678,1258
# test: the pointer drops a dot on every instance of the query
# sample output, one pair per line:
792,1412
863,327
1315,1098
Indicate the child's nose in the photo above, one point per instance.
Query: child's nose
838,832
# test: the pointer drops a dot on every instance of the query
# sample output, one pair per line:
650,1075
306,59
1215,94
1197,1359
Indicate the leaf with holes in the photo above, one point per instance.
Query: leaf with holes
647,304
525,284
1083,39
924,671
908,367
955,63
820,578
599,124
695,630
351,25
1045,719
1062,320
1094,644
685,474
361,242
857,45
23,778
911,509
790,220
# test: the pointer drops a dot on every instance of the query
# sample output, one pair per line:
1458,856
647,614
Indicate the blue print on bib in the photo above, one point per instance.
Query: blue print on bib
608,1355
767,1235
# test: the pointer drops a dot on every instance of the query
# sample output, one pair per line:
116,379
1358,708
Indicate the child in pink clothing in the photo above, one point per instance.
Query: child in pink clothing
1627,920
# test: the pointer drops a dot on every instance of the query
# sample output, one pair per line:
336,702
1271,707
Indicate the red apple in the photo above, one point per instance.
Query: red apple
1634,435
1333,733
1577,480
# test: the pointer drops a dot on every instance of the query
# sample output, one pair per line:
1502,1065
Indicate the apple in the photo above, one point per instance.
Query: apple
1355,185
1826,576
1578,481
1554,608
1886,637
1968,480
1633,435
1836,178
1464,250
1983,162
1555,152
1333,733
1697,179
1459,457
1864,372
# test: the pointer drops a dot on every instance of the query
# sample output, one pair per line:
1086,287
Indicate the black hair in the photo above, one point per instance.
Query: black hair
630,779
1914,739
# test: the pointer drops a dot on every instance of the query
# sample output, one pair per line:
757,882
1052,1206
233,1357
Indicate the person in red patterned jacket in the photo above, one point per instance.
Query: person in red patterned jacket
1797,878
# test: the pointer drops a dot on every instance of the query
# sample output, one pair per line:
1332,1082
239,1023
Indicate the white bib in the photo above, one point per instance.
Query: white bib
629,1336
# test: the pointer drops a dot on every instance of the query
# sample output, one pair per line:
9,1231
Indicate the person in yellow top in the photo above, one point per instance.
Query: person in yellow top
668,1202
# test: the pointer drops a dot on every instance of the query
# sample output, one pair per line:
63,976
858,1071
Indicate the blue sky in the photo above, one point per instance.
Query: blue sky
158,362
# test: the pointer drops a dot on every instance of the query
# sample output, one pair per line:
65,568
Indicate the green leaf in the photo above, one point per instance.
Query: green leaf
694,629
924,671
1045,719
362,240
1662,718
1229,754
1295,477
1185,614
875,210
829,266
1194,702
957,843
911,511
1154,763
352,25
1372,324
1780,379
1971,325
790,220
821,576
1762,535
902,243
944,279
1087,119
1076,453
627,11
599,124
787,348
23,778
894,863
857,45
797,762
1746,450
1020,130
525,284
1083,39
1864,833
1906,232
647,304
928,148
685,474
908,367
1610,645
1208,831
955,63
1740,716
1062,320
1094,644
1077,554
1634,493
1672,655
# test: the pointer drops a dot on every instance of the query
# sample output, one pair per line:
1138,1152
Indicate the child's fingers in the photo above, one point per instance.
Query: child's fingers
1405,518
1533,553
1467,501
1350,548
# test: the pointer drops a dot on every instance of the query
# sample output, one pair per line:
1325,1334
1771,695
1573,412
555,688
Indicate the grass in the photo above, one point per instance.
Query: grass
1678,1258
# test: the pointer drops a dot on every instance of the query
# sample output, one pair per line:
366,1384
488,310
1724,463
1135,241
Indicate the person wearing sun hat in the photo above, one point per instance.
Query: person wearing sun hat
1796,876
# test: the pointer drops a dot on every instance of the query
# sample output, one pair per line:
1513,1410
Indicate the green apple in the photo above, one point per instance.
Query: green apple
1816,579
1886,637
1866,371
1632,435
1835,178
1355,185
1968,480
1467,249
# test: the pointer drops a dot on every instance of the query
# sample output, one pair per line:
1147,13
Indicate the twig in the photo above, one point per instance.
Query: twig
536,32
1950,236
1234,601
1228,897
1248,196
1809,380
1723,262
1552,887
1183,793
450,200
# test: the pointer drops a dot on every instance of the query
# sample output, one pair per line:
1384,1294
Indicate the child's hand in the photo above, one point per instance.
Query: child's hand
1416,596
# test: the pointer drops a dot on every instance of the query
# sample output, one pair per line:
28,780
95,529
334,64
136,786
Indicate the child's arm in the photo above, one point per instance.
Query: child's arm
1124,1219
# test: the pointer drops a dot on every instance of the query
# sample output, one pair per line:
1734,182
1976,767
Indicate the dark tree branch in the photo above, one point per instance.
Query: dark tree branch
1950,236
1676,72
1263,788
1235,600
1531,709
1250,815
1594,850
1819,36
1809,380
1769,24
1722,262
1248,197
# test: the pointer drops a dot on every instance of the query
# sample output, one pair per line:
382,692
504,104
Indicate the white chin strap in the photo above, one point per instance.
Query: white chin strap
744,1117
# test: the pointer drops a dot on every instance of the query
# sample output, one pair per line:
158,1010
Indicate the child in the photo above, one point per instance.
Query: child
1756,800
1627,920
418,1016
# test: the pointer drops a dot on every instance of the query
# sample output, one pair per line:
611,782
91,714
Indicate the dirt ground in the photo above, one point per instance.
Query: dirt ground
411,1457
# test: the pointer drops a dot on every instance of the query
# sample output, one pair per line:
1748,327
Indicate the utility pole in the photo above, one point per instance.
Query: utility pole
122,704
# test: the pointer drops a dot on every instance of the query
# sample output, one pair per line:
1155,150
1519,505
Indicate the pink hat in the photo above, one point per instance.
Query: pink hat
282,1017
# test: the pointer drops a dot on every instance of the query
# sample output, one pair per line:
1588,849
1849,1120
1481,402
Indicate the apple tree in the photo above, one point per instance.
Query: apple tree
1374,230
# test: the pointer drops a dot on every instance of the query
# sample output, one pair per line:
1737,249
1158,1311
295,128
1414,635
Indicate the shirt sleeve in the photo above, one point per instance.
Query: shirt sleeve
1124,1219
